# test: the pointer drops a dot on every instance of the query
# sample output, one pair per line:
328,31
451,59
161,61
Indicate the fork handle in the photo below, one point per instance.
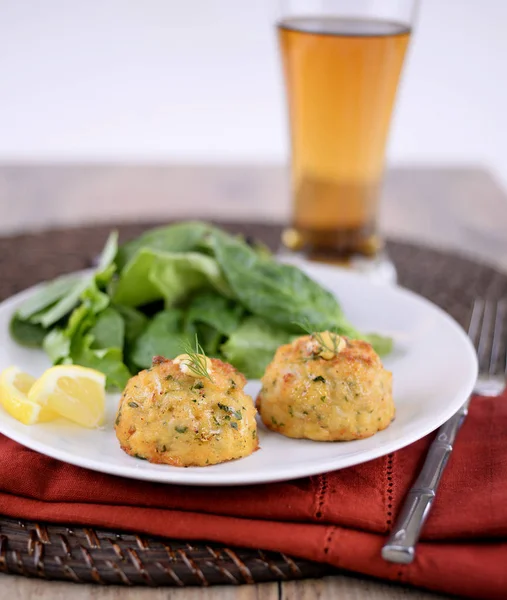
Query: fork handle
400,547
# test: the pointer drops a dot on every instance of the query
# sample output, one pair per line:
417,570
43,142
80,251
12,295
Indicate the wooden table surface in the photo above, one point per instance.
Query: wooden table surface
461,209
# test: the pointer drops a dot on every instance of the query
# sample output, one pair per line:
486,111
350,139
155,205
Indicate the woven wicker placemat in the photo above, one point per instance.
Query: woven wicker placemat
112,557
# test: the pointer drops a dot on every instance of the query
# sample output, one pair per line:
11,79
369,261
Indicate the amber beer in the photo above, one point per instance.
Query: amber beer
341,78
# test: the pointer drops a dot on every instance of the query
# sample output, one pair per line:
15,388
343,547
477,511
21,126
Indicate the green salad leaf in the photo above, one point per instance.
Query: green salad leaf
281,294
135,322
210,339
45,296
157,275
252,346
382,344
108,331
181,237
26,333
66,303
164,336
107,360
212,309
106,265
57,345
55,300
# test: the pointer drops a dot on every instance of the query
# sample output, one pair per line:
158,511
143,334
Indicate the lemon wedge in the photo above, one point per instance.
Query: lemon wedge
74,392
14,387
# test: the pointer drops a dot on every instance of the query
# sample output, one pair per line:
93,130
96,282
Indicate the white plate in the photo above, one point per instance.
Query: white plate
434,369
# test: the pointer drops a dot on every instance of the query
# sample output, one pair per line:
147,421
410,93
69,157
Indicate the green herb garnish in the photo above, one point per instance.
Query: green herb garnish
316,335
319,378
197,359
133,405
181,429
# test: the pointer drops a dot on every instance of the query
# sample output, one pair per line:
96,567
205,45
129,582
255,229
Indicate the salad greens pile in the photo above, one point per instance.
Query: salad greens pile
155,293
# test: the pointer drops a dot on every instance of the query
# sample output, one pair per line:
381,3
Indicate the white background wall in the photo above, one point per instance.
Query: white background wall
200,80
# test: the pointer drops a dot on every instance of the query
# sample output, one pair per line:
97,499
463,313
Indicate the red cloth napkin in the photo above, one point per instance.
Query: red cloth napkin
340,518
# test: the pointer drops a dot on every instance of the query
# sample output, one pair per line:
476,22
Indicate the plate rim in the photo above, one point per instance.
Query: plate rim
198,477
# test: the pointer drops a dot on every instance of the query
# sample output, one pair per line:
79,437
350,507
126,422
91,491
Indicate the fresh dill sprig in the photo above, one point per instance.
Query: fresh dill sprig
197,361
305,326
316,335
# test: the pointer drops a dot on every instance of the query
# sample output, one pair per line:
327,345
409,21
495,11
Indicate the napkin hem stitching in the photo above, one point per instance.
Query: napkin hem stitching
329,539
389,495
321,495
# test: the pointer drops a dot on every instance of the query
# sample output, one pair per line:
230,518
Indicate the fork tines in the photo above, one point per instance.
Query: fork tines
488,332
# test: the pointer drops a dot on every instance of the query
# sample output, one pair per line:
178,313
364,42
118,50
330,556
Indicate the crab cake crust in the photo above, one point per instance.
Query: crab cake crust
167,416
347,397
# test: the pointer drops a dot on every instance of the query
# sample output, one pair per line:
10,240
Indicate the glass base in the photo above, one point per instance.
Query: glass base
378,269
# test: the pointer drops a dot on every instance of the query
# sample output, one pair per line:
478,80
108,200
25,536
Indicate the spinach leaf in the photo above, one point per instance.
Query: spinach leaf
107,266
46,295
134,286
109,330
382,345
209,338
107,360
58,342
153,275
83,348
164,336
57,346
65,305
214,310
86,291
282,294
91,340
75,289
181,237
135,322
94,299
252,346
26,333
179,274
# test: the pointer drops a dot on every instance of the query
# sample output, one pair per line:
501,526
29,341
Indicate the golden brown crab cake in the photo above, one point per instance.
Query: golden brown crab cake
328,388
168,415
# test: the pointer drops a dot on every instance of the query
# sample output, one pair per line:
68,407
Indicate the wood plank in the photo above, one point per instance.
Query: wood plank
344,587
20,588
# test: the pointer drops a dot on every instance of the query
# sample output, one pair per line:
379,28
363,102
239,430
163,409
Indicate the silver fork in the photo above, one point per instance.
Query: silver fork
486,331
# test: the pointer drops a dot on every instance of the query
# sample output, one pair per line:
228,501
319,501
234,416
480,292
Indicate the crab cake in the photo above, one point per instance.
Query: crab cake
328,388
169,414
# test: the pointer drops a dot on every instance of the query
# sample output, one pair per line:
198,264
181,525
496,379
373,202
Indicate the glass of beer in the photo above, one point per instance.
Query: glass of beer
342,61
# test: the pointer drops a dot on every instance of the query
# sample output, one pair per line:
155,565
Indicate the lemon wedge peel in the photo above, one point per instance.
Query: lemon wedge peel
14,387
74,392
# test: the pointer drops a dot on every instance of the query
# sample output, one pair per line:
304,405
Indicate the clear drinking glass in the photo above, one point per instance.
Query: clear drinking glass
342,61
